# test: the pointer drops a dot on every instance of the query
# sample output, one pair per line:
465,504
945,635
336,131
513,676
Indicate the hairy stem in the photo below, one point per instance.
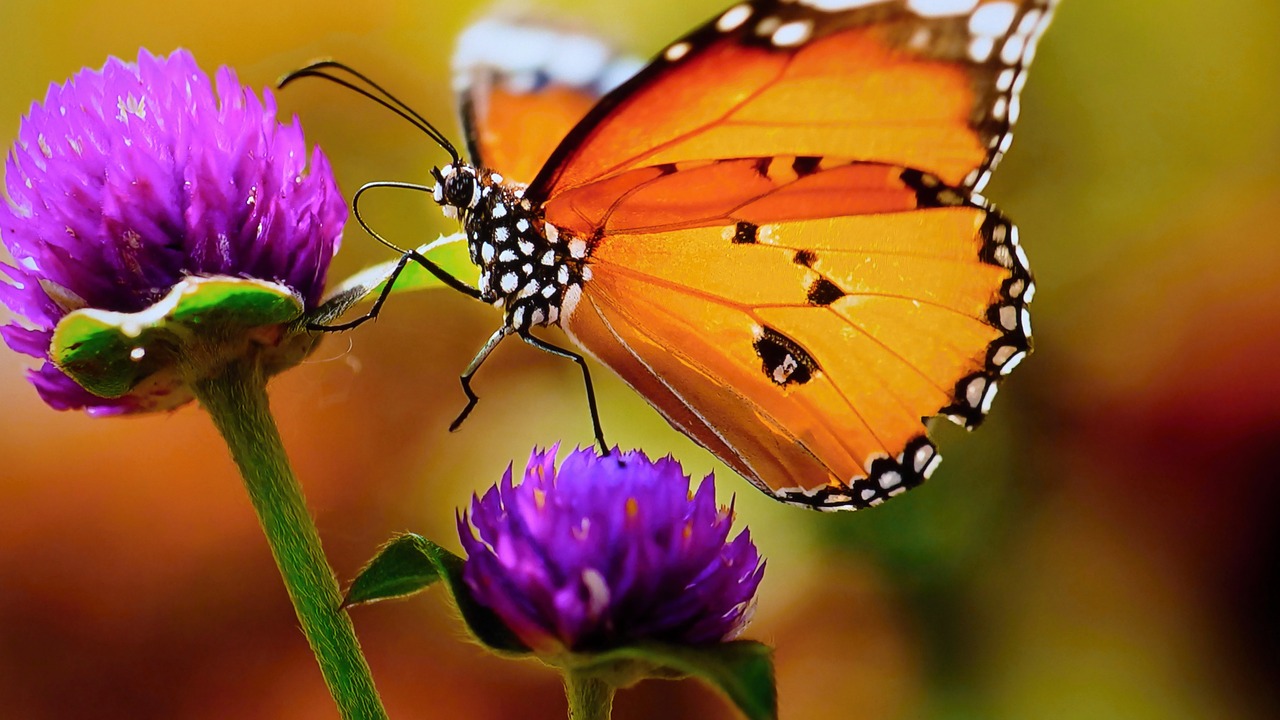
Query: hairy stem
236,398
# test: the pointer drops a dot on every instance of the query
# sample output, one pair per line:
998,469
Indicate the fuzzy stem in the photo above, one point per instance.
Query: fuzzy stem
590,698
236,398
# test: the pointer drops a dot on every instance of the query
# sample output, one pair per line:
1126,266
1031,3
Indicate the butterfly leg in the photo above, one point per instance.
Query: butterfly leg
377,304
475,364
586,378
390,282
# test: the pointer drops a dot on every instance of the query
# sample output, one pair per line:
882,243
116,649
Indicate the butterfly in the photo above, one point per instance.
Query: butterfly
772,230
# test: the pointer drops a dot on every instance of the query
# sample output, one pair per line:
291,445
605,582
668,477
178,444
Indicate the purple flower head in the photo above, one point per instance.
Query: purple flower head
127,180
608,551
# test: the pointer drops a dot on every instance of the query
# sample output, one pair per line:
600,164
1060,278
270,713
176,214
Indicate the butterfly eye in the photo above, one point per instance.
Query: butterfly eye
460,190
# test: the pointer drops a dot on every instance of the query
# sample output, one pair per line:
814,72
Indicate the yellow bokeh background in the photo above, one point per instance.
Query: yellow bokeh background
1104,547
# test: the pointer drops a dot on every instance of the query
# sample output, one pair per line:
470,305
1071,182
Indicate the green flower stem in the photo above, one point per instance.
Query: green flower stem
590,698
236,398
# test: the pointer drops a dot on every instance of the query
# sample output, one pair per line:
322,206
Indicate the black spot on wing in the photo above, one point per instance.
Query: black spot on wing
930,191
823,292
805,165
805,258
746,233
783,361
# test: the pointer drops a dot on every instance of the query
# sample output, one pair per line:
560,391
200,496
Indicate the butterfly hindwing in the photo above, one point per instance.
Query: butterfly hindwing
807,352
522,86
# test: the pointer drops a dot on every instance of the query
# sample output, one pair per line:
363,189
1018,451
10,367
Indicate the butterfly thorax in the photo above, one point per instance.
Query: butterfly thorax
528,267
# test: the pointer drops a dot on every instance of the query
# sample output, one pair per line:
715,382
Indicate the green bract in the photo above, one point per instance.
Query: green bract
150,355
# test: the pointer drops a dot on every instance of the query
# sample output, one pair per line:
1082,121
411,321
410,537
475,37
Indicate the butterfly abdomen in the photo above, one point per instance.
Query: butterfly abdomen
528,267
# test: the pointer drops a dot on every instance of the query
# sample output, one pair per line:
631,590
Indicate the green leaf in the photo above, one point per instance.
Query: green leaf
410,563
399,569
112,354
741,670
366,285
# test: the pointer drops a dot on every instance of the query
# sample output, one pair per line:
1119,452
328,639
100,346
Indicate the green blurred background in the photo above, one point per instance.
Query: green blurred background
1105,547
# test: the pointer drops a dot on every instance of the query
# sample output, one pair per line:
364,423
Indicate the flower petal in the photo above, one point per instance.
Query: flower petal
605,551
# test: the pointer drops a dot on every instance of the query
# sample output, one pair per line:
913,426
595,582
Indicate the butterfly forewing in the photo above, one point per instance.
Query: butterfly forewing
930,85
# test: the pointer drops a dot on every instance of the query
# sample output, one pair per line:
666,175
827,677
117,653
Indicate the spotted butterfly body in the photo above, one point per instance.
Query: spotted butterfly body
771,230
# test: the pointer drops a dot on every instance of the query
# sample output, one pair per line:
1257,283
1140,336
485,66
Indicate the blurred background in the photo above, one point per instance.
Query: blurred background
1104,547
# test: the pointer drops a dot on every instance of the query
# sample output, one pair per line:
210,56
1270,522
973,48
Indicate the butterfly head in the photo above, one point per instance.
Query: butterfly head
457,188
528,267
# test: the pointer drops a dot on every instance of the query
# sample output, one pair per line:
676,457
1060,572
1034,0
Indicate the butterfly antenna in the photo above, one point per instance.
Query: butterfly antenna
374,92
431,267
355,209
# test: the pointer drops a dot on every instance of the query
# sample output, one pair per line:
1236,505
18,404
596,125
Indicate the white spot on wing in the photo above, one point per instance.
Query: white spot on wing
1009,317
974,391
1012,363
923,455
733,18
980,48
1004,81
993,19
941,8
833,5
933,465
793,33
989,397
1011,53
889,479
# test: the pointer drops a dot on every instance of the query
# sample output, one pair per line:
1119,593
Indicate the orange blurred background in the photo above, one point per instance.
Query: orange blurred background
1104,547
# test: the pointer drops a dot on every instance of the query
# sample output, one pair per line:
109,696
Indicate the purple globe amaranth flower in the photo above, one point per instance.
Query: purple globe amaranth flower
128,180
608,551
